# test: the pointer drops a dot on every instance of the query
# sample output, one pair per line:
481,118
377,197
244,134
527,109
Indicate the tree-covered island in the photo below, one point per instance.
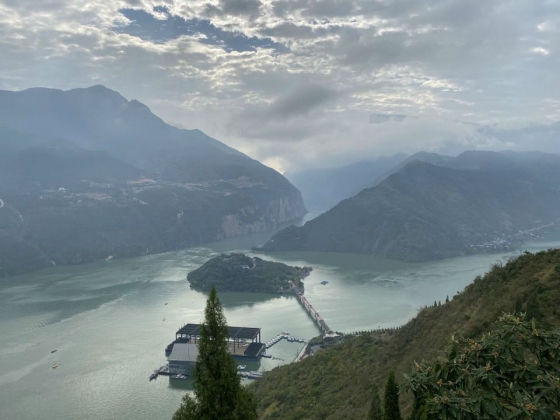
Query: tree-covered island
240,273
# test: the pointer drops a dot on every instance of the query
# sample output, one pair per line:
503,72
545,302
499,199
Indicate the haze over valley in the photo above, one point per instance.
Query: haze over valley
279,209
88,175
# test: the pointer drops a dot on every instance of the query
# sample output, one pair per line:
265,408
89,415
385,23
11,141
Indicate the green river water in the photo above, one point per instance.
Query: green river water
106,321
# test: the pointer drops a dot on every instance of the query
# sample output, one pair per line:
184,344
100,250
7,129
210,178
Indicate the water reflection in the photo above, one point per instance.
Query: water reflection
239,299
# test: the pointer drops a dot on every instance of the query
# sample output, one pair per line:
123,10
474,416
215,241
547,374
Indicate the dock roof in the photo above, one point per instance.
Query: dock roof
184,352
234,332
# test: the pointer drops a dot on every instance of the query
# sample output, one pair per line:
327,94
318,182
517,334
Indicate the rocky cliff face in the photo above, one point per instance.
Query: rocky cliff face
76,188
276,213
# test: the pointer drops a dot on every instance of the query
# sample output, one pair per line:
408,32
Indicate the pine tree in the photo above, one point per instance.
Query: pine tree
447,299
518,307
392,410
219,394
375,409
533,309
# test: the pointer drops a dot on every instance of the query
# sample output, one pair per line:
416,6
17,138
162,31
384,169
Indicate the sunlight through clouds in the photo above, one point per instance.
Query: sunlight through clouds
223,66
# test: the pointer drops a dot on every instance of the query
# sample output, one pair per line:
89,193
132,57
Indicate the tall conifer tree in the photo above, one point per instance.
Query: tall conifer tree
392,410
217,388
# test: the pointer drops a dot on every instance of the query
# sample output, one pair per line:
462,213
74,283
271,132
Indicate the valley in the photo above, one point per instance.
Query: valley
281,209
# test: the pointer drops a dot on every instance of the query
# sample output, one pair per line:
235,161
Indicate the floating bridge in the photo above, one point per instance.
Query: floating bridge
311,311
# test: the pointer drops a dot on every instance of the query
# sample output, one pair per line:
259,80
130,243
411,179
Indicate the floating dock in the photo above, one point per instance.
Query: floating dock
283,336
243,342
164,370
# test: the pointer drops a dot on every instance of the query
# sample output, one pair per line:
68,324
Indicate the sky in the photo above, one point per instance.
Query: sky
307,83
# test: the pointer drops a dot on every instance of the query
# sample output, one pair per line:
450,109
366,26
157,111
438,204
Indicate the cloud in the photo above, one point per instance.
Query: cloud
240,7
294,82
161,26
301,101
289,30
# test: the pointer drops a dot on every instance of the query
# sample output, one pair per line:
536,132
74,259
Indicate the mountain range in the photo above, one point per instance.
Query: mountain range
477,201
86,174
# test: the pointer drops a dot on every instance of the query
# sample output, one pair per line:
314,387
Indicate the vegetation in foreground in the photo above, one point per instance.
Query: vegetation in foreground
240,273
218,393
336,383
510,373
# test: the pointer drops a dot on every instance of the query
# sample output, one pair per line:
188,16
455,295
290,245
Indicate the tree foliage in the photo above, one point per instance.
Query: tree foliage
240,273
511,373
375,412
392,410
217,388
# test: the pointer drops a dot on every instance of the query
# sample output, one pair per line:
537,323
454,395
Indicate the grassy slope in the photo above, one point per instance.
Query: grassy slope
336,383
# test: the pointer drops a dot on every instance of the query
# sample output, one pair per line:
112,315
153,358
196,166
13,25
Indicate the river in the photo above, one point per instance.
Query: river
110,322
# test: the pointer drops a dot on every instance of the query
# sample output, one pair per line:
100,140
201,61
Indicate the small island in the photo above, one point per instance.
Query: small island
240,273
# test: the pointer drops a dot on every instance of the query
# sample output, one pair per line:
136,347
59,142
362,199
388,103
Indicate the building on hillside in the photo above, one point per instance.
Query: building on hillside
182,359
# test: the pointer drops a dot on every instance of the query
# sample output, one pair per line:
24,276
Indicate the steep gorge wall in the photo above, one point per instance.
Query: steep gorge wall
67,230
255,219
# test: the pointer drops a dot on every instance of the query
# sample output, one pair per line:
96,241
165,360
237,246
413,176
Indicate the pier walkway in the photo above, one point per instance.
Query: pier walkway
311,311
282,336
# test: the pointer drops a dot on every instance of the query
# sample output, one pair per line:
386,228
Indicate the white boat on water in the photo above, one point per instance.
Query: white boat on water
241,367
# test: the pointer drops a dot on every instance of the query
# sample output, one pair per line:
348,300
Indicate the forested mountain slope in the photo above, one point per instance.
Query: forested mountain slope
86,174
427,212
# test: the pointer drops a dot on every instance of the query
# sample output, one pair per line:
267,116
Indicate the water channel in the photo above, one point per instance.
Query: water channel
110,322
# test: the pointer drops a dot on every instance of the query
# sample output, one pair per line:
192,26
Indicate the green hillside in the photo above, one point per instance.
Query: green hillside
428,212
336,383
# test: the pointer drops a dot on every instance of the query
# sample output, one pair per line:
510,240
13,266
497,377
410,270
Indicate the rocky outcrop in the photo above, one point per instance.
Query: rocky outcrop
276,213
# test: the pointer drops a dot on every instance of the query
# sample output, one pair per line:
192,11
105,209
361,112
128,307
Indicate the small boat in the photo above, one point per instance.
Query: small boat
241,367
166,303
324,282
53,351
163,319
54,366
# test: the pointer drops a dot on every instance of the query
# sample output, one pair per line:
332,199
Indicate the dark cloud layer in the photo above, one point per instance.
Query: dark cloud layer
301,101
240,7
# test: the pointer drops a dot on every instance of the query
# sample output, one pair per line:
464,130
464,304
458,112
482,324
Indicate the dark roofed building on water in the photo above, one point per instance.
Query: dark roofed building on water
243,343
